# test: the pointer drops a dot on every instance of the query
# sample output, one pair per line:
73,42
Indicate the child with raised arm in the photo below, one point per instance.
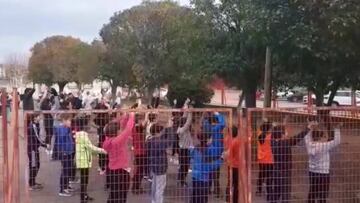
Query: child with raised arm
281,146
213,126
83,156
161,139
116,145
319,163
265,159
202,167
185,143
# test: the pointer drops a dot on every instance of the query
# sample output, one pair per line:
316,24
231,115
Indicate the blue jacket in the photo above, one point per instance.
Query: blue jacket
201,168
64,142
215,131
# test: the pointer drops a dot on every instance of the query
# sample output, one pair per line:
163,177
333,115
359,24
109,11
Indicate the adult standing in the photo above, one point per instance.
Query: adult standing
28,101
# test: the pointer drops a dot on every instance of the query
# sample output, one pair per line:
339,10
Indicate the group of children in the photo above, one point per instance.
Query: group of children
274,155
199,137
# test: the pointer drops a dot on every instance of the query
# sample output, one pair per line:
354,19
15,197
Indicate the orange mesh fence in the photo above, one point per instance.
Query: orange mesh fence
304,155
135,155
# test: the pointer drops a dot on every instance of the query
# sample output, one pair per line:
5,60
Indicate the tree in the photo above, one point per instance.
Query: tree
321,51
239,41
153,44
16,69
58,59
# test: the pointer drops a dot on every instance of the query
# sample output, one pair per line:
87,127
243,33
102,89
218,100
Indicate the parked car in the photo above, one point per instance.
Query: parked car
343,98
305,99
297,96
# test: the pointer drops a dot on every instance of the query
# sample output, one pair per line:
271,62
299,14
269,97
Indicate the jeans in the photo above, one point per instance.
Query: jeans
34,166
119,186
200,191
319,187
157,188
67,165
184,161
215,179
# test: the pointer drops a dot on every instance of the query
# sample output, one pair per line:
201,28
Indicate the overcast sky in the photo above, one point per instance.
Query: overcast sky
24,22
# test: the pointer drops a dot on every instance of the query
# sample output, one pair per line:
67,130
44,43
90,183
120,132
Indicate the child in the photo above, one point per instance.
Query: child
33,144
116,145
214,126
282,154
319,163
84,149
157,145
140,156
233,145
265,159
185,143
66,148
202,168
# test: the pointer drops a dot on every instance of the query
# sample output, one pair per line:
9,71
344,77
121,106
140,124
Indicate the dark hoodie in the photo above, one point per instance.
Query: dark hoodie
28,101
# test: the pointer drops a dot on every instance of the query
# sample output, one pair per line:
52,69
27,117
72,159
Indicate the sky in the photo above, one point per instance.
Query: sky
25,22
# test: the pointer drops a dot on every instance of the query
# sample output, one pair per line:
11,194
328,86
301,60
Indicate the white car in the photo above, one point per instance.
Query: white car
305,99
343,98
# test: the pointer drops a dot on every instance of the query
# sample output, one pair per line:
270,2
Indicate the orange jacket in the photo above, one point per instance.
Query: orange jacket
233,145
264,152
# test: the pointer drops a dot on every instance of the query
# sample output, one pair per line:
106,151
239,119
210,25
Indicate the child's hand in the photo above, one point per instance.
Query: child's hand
225,154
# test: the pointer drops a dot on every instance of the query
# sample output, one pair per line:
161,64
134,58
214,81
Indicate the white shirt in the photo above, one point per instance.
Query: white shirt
319,153
185,138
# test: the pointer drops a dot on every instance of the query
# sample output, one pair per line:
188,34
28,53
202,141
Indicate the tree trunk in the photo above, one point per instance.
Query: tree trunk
319,98
241,99
333,91
113,93
267,81
62,86
250,97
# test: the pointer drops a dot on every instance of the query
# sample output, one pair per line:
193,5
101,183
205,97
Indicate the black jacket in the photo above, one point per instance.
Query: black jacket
28,101
34,141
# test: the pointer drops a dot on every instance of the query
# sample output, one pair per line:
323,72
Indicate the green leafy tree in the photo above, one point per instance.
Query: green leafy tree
154,44
321,51
54,60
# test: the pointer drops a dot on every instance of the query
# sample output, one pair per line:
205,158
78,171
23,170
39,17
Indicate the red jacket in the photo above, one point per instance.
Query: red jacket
139,140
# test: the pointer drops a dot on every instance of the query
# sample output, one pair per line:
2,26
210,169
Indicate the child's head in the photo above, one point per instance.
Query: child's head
66,119
111,129
81,123
265,127
155,130
278,132
318,133
34,118
152,117
234,131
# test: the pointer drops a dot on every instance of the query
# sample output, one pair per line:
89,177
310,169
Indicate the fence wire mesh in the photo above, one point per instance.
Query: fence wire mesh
137,155
302,155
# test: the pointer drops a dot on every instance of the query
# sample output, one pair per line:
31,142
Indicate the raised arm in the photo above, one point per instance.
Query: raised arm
186,127
321,147
125,134
297,138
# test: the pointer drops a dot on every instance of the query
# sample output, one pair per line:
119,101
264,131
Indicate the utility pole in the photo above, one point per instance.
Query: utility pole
267,82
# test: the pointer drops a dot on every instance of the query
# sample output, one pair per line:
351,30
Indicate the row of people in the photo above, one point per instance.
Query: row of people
203,144
274,155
